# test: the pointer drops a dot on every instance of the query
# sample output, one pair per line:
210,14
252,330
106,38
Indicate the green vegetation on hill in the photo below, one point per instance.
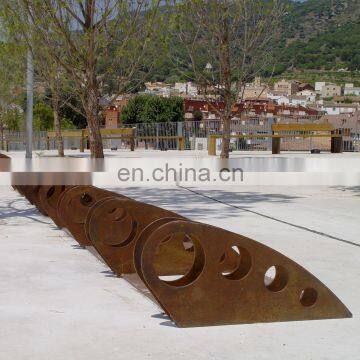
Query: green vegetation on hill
311,76
319,35
311,17
336,48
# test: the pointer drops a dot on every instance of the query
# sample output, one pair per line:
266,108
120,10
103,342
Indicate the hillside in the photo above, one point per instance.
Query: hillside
309,18
338,47
321,37
321,34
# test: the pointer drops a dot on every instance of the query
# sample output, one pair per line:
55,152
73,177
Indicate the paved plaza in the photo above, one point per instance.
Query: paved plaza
59,301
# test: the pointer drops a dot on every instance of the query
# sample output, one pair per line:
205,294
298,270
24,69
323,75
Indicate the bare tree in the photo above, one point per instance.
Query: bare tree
228,43
103,46
19,34
54,84
53,77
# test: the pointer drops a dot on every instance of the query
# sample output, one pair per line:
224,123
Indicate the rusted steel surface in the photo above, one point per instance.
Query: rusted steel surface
5,163
31,193
28,192
113,226
74,205
49,198
201,275
208,295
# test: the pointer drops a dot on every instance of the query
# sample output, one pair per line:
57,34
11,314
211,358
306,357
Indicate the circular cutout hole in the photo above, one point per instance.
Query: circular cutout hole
235,263
50,192
276,278
86,199
116,227
308,297
179,260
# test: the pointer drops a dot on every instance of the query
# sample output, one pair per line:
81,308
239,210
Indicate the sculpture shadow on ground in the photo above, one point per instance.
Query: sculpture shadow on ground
354,190
19,208
180,199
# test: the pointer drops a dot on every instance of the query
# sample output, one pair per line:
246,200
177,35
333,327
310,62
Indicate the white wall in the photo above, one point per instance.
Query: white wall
319,85
352,91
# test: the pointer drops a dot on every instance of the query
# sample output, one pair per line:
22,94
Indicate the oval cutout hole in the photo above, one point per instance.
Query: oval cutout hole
236,263
308,297
276,278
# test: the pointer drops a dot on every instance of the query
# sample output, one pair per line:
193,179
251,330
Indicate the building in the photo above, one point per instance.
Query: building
332,108
350,90
345,121
112,117
112,113
346,99
187,88
286,87
319,86
347,125
330,90
255,90
306,86
309,94
158,89
278,98
298,100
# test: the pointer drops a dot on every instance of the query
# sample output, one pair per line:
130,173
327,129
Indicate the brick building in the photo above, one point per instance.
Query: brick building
112,113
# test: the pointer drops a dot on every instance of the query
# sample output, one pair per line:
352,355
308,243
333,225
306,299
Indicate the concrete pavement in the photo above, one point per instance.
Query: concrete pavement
58,301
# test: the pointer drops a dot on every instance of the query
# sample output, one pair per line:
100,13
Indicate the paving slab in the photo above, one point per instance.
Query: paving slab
58,301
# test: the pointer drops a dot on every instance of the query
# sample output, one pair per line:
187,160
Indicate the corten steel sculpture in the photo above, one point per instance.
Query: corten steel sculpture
74,205
31,193
27,191
113,226
221,277
5,163
49,198
208,295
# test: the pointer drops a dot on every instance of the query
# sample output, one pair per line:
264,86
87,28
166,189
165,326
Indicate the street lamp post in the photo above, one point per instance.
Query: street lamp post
29,104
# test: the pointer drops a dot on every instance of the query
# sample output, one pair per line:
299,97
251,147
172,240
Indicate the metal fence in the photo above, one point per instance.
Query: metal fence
69,142
196,135
16,140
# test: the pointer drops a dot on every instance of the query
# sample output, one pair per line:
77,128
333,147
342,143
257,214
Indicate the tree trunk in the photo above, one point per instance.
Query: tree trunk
92,115
225,145
96,146
93,98
2,135
226,81
57,125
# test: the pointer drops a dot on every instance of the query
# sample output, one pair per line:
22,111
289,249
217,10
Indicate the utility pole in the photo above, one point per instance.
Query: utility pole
29,104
